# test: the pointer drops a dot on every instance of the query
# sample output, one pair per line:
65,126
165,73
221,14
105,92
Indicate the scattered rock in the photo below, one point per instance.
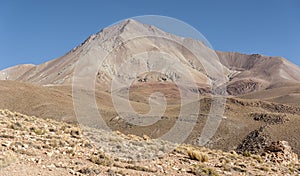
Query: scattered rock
270,118
281,152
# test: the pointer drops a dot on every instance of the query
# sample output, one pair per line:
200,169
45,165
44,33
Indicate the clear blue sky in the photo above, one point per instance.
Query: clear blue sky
38,31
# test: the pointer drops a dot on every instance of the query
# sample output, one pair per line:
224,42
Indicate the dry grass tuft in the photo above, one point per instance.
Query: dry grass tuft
247,154
200,170
197,155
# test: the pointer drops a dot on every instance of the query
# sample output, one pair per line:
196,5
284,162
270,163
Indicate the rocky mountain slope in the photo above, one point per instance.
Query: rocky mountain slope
262,77
35,146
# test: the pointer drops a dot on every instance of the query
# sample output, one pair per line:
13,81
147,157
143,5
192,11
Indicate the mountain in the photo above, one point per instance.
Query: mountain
61,70
262,77
263,92
245,73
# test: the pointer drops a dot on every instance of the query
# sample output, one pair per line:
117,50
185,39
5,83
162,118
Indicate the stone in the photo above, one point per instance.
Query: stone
281,152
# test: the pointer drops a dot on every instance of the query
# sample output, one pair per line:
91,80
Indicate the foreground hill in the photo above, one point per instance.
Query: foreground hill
34,146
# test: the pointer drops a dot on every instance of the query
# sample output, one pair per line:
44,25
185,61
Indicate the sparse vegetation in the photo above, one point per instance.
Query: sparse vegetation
200,170
257,158
37,131
140,168
101,159
247,154
197,155
49,144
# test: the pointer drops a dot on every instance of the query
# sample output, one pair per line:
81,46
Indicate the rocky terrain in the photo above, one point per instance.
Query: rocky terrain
37,146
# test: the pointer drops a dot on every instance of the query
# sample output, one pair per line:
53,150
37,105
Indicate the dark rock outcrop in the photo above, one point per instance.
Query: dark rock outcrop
270,118
255,142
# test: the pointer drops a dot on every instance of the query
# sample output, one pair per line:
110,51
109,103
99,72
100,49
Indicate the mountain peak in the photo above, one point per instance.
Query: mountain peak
128,24
132,22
